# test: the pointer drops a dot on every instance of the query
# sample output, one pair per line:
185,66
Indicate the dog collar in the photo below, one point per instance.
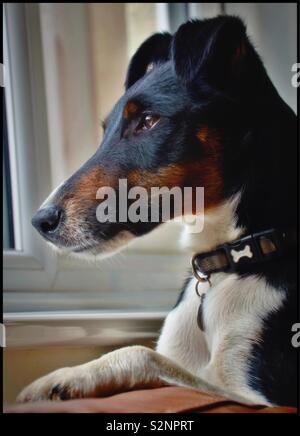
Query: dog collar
238,255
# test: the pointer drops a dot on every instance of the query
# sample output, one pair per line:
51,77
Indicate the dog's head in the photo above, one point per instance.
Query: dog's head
188,103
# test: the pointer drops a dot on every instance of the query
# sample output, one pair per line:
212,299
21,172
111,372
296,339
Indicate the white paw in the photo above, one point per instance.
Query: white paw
62,384
114,372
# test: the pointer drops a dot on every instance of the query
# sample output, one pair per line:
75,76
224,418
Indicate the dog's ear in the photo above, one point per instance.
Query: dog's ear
155,49
216,50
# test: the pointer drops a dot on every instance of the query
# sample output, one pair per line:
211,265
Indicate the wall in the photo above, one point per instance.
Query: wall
273,30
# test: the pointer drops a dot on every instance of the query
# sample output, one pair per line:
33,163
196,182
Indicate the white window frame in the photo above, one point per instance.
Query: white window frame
34,281
28,145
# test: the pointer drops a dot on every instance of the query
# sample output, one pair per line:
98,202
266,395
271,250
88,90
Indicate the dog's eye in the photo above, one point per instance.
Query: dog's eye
147,121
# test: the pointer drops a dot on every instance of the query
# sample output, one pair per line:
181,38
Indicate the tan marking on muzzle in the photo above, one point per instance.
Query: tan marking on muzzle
204,173
169,176
82,194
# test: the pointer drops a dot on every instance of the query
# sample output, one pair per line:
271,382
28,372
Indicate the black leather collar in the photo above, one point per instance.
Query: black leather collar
239,255
251,249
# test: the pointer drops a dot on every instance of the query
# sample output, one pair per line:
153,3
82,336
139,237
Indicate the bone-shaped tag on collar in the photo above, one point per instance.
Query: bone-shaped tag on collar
237,255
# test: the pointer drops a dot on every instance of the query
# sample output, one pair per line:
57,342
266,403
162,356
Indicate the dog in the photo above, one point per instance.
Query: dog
199,109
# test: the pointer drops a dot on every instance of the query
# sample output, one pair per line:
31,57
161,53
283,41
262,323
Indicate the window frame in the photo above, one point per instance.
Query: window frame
8,217
25,111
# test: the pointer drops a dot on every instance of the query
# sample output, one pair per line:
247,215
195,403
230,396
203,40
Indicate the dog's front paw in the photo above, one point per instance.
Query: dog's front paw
118,371
62,384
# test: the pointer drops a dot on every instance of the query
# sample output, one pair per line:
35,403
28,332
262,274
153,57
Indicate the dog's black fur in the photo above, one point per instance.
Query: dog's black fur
208,74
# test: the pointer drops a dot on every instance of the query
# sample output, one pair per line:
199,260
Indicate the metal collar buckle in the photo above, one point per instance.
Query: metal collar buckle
198,274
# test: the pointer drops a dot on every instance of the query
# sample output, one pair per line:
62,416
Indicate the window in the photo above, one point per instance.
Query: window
178,14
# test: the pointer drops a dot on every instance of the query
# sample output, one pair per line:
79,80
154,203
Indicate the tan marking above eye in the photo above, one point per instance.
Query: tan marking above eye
129,109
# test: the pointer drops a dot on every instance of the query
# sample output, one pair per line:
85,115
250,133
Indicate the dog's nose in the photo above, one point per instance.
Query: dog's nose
46,220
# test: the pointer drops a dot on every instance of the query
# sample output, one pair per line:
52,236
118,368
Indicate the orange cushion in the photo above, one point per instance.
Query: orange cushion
160,400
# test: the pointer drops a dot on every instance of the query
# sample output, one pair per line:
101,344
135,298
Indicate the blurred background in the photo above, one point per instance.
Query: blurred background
64,66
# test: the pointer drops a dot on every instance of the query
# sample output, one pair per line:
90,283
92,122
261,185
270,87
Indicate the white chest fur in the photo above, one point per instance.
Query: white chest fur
233,313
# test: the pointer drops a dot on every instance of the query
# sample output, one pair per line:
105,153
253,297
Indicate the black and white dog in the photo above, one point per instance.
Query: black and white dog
199,110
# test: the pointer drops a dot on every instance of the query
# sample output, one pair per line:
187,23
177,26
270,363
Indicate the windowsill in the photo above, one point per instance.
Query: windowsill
77,328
